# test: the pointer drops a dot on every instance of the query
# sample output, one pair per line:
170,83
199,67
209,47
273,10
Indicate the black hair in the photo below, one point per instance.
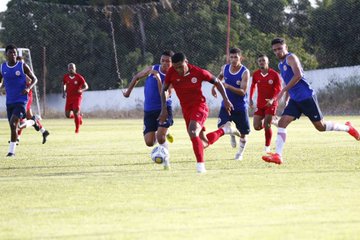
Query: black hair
178,57
278,40
262,55
10,47
235,50
168,53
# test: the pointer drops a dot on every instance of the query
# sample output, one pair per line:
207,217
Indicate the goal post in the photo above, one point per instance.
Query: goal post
26,55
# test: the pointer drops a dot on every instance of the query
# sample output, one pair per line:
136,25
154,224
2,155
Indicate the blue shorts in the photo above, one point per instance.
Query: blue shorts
16,109
240,118
151,122
309,107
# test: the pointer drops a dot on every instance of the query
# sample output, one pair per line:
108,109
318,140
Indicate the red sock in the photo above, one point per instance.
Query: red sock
77,121
39,124
19,132
215,135
268,135
198,149
71,115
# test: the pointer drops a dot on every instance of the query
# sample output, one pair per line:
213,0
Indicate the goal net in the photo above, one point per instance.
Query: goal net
26,55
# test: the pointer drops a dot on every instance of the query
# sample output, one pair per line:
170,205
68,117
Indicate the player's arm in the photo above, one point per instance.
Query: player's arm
163,114
243,87
220,87
220,77
64,88
32,76
85,86
136,79
277,90
294,63
252,90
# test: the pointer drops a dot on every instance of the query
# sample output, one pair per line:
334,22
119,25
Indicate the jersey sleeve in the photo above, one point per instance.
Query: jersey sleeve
82,80
206,75
168,76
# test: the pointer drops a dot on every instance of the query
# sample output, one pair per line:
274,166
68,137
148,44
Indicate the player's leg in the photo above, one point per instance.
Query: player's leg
15,113
268,119
224,127
38,126
77,115
291,112
150,127
241,120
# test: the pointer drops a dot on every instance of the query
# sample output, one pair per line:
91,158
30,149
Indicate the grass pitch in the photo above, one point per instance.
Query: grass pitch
101,184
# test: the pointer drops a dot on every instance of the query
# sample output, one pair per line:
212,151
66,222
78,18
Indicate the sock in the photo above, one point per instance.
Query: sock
77,121
12,147
268,136
165,145
215,135
280,140
19,133
71,115
42,129
242,145
330,126
198,149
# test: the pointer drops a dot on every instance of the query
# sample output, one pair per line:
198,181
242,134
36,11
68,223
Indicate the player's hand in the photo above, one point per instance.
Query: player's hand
26,91
228,106
163,116
80,91
280,95
64,95
225,85
269,102
126,93
213,92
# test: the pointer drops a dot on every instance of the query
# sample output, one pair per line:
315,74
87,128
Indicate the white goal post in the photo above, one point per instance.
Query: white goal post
26,55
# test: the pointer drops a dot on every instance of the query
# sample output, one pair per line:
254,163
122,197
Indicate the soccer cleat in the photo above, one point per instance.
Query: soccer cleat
352,131
200,167
273,158
229,130
10,155
233,141
267,149
238,156
36,126
45,134
169,138
22,124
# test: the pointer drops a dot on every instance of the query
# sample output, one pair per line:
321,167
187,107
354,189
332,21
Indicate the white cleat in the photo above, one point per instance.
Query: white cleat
233,141
200,167
229,130
267,149
238,156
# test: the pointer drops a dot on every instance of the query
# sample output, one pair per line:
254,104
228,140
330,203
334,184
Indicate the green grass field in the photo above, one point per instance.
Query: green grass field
101,184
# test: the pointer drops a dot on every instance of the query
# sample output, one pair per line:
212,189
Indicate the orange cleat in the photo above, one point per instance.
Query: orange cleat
352,131
273,158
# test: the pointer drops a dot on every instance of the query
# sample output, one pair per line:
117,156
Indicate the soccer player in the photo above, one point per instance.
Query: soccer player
153,130
268,84
14,75
74,86
302,100
235,78
186,80
29,115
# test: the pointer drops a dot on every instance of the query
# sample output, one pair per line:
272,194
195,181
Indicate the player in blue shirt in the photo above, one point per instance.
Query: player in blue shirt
14,74
155,76
235,78
302,100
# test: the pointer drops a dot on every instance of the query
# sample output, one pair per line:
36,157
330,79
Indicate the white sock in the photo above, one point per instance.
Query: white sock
12,147
280,140
42,130
242,145
165,145
330,126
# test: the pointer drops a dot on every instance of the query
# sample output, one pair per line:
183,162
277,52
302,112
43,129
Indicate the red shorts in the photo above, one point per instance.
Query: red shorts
73,104
198,113
266,111
30,100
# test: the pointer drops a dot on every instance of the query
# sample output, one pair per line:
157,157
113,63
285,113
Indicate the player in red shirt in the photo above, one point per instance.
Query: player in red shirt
74,86
268,84
29,115
186,80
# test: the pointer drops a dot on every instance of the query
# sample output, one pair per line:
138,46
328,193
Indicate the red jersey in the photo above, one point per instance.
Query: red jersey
268,85
73,85
188,87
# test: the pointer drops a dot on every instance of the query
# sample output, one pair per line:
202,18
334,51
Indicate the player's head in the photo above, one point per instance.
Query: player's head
165,60
72,68
11,53
235,56
279,47
179,63
263,61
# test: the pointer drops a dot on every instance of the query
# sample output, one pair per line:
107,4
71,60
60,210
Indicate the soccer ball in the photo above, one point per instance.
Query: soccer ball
159,154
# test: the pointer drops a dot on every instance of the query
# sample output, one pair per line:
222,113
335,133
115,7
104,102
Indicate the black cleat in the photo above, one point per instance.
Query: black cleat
10,155
45,134
36,126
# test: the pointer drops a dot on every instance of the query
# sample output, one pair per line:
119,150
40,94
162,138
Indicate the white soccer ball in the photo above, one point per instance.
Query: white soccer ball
159,154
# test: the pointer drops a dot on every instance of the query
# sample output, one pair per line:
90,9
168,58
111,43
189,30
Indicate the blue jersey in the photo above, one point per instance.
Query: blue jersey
302,89
151,91
234,79
15,82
